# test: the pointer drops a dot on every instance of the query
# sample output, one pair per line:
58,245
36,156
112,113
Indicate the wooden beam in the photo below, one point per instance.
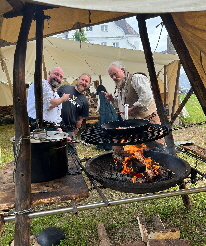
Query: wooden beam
181,106
22,133
154,82
103,237
38,67
15,4
165,85
176,88
2,222
185,59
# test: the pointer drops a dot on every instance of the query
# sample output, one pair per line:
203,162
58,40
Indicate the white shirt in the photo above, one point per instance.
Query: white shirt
141,84
49,114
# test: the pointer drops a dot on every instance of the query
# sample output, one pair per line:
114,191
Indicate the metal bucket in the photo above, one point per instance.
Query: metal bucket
49,158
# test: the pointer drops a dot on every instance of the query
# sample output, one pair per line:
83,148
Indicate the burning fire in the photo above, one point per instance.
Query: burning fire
136,156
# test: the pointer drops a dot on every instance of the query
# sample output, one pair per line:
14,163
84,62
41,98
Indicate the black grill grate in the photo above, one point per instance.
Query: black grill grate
97,136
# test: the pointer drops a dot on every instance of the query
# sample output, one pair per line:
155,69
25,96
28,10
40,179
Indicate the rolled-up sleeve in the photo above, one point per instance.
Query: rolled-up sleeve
141,85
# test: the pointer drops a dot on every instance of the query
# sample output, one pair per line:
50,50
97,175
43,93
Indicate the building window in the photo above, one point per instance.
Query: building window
104,43
89,28
104,28
116,44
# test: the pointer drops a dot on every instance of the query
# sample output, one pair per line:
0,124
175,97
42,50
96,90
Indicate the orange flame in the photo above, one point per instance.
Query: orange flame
138,153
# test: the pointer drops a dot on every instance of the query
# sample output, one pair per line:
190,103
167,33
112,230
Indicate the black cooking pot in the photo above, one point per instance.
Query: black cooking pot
49,158
102,168
125,127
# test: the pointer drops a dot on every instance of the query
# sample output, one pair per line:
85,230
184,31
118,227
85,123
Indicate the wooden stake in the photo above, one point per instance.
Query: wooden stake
103,237
22,133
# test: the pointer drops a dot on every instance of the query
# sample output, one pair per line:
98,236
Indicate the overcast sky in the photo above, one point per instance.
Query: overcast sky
154,30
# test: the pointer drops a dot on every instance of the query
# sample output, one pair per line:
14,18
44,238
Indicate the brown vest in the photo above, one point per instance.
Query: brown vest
131,97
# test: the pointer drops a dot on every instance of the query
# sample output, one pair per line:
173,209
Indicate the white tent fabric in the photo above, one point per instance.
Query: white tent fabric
6,97
64,15
75,58
131,6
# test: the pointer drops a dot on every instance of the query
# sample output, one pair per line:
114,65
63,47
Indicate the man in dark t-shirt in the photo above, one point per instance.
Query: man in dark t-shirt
77,107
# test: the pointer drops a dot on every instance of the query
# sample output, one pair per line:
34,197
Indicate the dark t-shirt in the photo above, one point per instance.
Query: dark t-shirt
76,106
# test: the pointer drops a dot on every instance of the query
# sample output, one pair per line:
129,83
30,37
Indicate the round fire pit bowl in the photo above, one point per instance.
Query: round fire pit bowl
102,169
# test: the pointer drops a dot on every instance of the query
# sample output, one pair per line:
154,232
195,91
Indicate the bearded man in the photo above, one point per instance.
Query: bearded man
77,107
133,89
52,103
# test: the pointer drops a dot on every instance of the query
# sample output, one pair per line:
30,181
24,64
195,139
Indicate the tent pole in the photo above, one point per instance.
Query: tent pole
181,106
22,161
148,56
176,89
186,60
165,85
38,67
154,83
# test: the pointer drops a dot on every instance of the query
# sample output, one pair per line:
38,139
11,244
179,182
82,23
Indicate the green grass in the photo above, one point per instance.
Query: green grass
6,132
194,110
121,220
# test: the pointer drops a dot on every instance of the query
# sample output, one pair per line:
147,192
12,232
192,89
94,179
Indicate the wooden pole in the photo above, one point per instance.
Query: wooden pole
22,133
181,106
165,85
176,89
38,67
154,82
185,58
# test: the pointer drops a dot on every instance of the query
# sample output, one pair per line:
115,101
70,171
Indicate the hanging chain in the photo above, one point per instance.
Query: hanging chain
17,149
25,211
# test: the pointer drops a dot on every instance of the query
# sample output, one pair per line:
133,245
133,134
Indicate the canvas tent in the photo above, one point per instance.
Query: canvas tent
188,16
184,20
5,95
75,58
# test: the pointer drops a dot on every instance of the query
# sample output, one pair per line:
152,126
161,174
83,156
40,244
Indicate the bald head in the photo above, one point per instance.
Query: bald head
55,77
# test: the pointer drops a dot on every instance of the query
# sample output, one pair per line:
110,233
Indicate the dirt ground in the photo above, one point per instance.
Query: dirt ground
195,133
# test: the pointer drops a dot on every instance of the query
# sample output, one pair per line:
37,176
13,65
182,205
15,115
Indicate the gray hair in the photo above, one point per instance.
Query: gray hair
118,64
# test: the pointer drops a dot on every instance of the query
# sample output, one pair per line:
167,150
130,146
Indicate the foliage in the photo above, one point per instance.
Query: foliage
79,35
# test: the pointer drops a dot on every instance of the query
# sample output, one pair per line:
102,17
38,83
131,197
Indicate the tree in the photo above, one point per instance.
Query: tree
79,35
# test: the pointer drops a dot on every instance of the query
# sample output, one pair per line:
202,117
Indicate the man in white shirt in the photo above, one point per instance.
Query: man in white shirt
133,89
52,103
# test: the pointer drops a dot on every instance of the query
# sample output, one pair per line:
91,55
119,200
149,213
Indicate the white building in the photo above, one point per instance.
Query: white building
117,34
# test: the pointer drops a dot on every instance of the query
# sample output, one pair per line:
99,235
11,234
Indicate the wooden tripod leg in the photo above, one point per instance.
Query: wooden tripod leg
185,198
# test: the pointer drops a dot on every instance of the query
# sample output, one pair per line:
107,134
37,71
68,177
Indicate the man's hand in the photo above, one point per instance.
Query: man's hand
108,96
130,111
65,97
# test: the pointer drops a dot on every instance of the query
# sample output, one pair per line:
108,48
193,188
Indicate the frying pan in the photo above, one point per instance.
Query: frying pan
125,127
